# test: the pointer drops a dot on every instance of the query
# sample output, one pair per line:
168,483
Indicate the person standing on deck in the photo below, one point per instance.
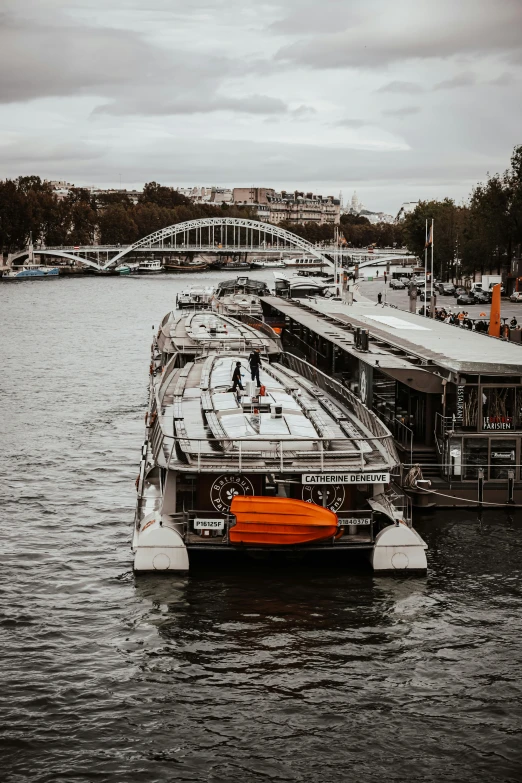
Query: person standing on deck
254,361
236,378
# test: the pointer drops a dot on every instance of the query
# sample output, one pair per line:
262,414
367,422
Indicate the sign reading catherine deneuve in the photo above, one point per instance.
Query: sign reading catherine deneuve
345,478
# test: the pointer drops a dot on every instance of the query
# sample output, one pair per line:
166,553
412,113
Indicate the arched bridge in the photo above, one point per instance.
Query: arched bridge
206,235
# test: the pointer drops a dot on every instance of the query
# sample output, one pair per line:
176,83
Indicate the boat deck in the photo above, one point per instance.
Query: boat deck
294,426
202,331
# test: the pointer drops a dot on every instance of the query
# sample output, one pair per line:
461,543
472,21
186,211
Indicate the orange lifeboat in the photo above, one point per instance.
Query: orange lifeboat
268,521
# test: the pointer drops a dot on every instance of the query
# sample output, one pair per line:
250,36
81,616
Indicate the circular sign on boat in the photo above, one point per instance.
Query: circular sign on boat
315,494
225,488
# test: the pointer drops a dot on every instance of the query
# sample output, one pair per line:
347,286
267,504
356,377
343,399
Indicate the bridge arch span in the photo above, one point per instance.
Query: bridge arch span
162,239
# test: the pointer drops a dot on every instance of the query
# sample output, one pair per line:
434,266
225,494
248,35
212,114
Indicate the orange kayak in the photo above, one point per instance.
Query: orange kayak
280,521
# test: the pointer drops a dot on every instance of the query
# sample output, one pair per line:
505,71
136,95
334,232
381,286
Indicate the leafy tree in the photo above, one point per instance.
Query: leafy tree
116,226
163,196
448,221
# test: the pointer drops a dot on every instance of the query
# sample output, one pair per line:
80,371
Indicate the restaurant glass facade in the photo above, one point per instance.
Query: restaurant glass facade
491,407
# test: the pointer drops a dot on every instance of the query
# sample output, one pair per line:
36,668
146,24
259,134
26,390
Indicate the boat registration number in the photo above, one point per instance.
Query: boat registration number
355,521
209,524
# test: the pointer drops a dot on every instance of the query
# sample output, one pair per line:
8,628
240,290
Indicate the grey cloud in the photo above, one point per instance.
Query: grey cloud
406,111
61,56
250,104
310,17
303,111
351,123
449,30
235,160
34,151
410,88
505,79
460,80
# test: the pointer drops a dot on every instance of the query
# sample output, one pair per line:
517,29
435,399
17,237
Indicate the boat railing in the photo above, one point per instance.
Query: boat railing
256,323
404,435
336,389
261,454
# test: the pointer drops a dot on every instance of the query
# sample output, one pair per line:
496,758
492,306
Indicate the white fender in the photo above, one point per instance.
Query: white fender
158,546
399,548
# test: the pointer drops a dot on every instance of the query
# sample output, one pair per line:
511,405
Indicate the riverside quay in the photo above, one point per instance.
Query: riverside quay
451,397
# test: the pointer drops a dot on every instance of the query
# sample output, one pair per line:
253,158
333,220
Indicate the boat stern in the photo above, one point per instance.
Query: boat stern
158,546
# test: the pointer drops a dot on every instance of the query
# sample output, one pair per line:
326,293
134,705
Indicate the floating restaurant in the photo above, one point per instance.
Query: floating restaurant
453,399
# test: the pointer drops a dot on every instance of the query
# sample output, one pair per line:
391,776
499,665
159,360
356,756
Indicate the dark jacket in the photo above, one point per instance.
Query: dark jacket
254,359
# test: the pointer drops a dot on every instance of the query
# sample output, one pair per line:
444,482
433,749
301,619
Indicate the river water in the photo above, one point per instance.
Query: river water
256,673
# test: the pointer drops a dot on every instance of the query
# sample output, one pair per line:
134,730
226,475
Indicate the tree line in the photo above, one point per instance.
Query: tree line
482,235
30,207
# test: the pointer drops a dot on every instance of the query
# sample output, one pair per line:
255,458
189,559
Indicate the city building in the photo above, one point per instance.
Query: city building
296,206
207,195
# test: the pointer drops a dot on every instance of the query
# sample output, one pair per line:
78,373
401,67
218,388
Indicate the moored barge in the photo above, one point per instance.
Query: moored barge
291,462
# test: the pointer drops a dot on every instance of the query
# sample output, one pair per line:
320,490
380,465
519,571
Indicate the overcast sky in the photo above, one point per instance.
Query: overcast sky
398,100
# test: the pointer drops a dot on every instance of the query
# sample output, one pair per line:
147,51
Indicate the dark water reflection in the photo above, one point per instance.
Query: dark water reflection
248,671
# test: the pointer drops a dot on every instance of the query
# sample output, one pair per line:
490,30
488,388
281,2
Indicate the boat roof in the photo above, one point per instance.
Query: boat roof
242,282
218,429
204,331
399,338
197,289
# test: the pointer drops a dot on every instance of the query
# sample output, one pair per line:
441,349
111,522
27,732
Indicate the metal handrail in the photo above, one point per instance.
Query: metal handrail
292,459
407,434
336,389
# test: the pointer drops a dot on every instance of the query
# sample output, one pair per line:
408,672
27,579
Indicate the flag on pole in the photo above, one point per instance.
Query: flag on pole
429,240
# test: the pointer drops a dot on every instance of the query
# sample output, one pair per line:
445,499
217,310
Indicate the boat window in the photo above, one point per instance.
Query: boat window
467,406
475,457
455,457
503,457
498,408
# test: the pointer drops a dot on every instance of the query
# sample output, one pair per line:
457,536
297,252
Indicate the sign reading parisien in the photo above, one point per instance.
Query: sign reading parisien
345,478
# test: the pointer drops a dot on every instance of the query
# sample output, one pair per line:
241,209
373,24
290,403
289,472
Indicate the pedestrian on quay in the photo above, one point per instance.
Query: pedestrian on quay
385,278
254,361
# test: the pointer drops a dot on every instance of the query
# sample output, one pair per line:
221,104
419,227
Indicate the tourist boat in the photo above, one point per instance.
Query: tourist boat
150,266
127,269
240,296
196,297
302,286
296,464
189,265
264,263
30,273
235,265
192,334
303,262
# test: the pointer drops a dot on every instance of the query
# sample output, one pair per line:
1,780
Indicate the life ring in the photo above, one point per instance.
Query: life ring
151,369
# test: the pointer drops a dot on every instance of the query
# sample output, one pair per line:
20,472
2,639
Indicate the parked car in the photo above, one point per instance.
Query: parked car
420,282
406,280
397,284
516,296
482,297
446,289
459,291
466,299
